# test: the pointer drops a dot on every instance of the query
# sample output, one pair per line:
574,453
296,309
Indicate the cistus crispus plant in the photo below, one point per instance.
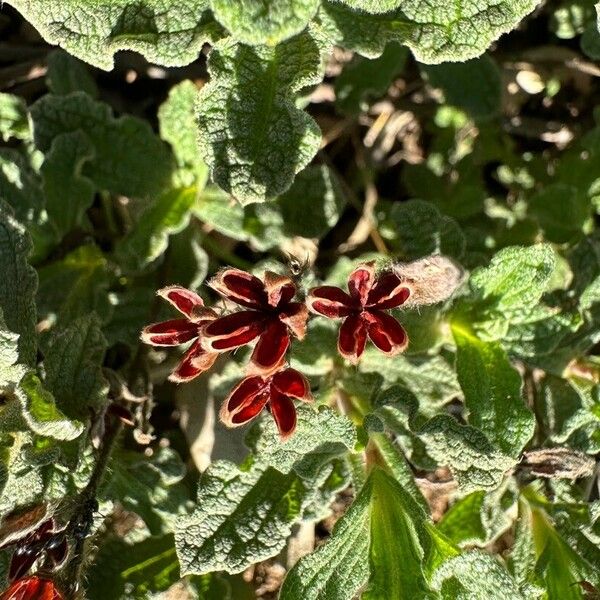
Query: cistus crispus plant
299,300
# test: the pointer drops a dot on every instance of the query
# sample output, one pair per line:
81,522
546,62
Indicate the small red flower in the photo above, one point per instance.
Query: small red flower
179,331
32,588
271,316
363,311
252,394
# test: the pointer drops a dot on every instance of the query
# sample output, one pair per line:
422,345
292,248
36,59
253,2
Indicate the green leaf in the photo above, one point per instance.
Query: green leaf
68,193
396,556
151,488
514,281
11,372
475,463
115,167
436,32
384,542
242,517
164,33
19,283
252,136
416,229
141,568
40,412
74,367
177,121
310,208
219,210
462,522
363,79
149,238
431,379
374,6
264,22
66,74
75,286
476,575
560,567
492,390
319,436
475,86
562,212
339,569
13,118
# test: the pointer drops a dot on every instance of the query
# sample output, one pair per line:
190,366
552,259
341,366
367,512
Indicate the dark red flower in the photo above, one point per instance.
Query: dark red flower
32,588
363,311
179,331
252,394
271,316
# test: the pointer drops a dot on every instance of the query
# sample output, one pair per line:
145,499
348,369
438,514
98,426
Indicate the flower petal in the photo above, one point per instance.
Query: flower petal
30,588
245,401
331,302
295,316
232,331
361,281
352,337
195,361
184,300
386,333
240,287
389,291
271,348
170,333
280,289
284,413
292,383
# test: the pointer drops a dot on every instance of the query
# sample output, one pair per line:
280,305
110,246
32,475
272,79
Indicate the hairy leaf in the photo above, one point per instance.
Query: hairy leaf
115,167
476,575
492,389
252,136
74,286
435,31
68,193
19,283
40,412
165,33
319,436
168,214
474,462
74,366
242,517
264,22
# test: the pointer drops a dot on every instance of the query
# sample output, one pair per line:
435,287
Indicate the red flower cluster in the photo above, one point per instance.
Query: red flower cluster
271,316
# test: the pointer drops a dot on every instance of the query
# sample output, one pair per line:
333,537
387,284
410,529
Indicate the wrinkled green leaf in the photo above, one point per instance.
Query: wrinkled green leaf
165,33
492,390
143,171
168,214
264,22
474,462
19,283
73,366
252,136
13,118
437,31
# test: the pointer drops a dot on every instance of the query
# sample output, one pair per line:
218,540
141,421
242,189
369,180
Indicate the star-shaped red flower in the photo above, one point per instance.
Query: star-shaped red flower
363,311
179,331
276,391
271,316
